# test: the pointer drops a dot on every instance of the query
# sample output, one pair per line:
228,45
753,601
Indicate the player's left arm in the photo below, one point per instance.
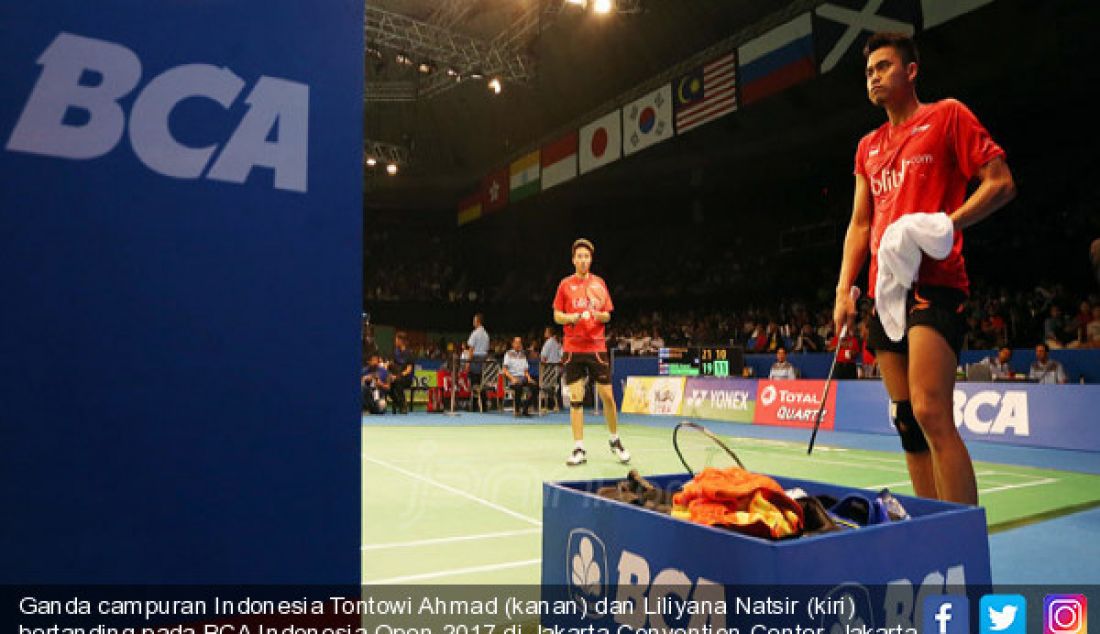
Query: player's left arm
995,190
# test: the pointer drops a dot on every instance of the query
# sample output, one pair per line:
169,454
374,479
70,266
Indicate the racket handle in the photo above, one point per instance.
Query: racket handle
853,294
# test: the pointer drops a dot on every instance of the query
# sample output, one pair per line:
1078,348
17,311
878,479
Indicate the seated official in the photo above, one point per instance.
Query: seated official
518,377
998,365
402,374
376,385
782,369
1045,369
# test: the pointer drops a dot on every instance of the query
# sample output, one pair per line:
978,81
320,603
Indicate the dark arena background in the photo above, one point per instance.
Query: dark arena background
271,267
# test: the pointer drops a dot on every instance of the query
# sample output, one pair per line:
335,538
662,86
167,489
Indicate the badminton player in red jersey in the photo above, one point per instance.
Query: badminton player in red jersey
583,305
921,161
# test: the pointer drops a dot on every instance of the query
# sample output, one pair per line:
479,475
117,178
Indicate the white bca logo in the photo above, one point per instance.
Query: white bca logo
277,109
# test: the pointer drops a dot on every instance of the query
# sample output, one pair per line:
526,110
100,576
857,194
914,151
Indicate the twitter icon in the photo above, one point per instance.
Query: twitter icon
1003,614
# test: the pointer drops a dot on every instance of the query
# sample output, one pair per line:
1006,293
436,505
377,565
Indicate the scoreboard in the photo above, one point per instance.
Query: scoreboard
717,361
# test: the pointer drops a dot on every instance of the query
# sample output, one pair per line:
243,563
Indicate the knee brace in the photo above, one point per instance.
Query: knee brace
912,438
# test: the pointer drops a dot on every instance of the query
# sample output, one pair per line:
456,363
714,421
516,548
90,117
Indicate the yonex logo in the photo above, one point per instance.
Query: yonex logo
719,399
74,112
920,128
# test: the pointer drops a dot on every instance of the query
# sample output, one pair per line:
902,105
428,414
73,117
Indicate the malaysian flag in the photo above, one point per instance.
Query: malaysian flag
706,93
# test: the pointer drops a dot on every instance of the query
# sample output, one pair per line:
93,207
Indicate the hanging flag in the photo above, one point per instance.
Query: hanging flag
841,27
494,191
936,12
777,59
559,161
524,176
648,120
600,142
706,93
469,209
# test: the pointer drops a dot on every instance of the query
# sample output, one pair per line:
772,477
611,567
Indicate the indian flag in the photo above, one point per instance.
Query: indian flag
559,161
469,209
524,175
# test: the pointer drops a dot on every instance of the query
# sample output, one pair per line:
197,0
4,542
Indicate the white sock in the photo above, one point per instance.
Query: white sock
579,444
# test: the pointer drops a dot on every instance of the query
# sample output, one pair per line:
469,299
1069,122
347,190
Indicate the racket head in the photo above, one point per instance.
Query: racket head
699,448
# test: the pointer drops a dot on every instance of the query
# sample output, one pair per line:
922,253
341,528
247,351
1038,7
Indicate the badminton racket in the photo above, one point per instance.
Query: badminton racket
697,446
854,294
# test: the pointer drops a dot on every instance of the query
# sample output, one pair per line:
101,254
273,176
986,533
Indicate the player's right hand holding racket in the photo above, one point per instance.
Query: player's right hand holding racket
844,311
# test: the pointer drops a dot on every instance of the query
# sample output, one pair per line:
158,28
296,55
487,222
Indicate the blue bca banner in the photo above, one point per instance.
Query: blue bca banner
1054,416
180,227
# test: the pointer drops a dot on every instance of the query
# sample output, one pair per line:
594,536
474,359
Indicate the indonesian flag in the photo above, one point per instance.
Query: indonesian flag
559,161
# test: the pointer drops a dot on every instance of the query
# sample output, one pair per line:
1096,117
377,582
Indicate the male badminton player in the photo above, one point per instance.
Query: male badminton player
921,161
583,305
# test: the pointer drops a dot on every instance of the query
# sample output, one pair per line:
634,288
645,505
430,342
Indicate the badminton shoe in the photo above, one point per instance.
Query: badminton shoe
620,452
579,456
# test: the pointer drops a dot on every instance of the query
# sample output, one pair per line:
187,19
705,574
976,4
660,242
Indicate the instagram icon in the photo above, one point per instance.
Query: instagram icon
1065,614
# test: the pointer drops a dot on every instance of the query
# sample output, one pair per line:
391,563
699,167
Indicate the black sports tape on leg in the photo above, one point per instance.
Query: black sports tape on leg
912,437
576,404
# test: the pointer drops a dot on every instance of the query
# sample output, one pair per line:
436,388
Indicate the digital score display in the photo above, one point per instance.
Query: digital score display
716,361
676,362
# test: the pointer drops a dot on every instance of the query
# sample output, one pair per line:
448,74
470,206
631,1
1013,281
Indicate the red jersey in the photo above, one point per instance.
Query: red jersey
924,166
576,295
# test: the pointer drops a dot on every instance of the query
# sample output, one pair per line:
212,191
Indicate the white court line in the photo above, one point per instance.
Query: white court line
451,489
448,540
1005,487
451,573
897,484
1020,485
898,468
876,487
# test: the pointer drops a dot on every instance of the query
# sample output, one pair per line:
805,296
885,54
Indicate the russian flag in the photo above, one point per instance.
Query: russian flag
777,59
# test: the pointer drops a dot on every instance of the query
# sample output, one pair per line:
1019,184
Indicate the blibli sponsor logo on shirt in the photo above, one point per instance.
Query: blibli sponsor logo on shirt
273,133
889,180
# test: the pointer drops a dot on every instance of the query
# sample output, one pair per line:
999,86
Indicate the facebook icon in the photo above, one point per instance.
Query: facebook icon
946,614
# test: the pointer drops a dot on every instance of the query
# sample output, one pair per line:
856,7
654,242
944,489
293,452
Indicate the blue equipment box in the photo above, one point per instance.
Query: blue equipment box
632,569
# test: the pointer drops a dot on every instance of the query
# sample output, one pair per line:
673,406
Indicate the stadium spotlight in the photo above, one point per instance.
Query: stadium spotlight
404,59
371,161
602,7
452,72
391,169
577,3
495,86
477,74
425,68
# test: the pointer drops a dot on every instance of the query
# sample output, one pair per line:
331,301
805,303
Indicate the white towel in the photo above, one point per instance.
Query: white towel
899,257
